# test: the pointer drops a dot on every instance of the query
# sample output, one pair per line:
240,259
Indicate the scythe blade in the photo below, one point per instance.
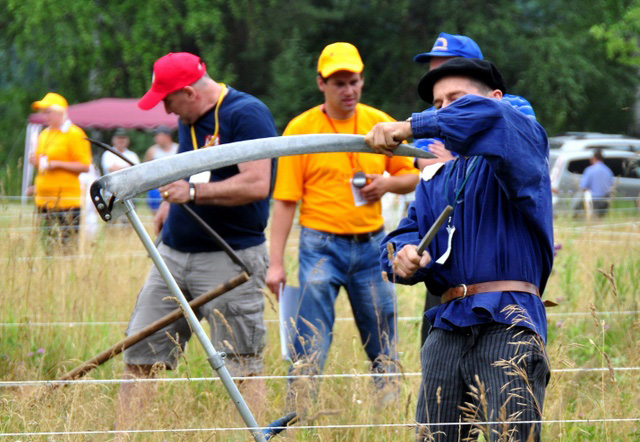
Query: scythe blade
127,183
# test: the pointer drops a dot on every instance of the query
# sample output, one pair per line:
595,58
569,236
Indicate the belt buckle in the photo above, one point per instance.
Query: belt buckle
464,294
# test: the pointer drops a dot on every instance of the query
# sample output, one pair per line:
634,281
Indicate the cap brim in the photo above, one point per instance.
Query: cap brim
350,67
465,67
425,57
40,105
150,99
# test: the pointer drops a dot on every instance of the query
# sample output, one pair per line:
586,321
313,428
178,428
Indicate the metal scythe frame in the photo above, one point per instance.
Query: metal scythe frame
112,194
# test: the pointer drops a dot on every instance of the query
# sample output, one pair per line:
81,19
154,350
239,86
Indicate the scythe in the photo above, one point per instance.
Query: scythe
112,193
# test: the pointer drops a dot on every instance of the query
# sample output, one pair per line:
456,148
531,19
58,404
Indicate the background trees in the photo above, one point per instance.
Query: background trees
576,61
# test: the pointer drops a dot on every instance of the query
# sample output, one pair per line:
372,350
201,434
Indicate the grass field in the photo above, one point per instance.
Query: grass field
596,273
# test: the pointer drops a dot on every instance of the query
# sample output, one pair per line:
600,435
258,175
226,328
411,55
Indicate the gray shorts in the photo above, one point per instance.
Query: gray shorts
236,318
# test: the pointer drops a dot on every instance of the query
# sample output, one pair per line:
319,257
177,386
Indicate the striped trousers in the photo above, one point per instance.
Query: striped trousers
483,373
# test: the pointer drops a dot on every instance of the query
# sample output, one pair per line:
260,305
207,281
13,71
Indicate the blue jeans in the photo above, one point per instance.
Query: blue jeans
327,262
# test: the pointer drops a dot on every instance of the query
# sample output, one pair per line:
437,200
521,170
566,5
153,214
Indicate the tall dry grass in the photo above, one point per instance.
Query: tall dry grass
101,286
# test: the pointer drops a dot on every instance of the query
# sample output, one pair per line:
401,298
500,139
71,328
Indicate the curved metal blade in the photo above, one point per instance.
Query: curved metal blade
127,183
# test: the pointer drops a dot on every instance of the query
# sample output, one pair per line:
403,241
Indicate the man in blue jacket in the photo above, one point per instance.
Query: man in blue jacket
446,47
484,360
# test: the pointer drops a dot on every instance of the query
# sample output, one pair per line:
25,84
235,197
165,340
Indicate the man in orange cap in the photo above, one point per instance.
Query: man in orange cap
61,155
341,219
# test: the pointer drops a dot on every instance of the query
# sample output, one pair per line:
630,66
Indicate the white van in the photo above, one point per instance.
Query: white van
568,167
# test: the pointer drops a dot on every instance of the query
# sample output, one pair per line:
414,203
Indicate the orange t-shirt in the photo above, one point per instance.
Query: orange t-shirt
60,189
322,181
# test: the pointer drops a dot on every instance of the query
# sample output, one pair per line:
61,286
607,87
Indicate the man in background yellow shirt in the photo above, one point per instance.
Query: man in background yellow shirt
341,220
61,155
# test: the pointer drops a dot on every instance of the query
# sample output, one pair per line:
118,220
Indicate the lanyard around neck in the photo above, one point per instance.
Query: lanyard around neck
333,126
335,130
455,201
194,141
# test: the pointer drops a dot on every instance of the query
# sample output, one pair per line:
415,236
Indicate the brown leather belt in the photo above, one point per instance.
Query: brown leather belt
358,237
463,290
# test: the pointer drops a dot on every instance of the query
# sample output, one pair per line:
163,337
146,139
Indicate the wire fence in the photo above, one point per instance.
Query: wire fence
320,427
49,383
277,321
613,237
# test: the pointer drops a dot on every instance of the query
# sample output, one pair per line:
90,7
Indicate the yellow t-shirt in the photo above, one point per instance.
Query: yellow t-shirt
60,189
322,181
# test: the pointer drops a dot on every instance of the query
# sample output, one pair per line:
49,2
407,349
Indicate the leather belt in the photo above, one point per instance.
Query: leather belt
463,290
358,237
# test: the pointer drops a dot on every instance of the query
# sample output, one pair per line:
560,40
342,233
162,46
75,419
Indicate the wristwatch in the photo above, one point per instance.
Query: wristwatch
192,192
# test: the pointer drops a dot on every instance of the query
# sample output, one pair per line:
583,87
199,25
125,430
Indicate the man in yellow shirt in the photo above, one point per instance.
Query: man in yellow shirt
62,154
340,216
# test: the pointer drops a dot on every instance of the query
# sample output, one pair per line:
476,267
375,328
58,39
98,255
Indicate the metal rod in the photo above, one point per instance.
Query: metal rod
118,348
280,424
131,181
216,360
434,229
207,228
217,238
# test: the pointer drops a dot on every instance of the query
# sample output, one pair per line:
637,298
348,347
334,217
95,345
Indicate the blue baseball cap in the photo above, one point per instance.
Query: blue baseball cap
448,45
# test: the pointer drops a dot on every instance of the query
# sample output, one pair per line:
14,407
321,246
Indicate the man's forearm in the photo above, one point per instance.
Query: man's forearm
69,166
281,221
250,185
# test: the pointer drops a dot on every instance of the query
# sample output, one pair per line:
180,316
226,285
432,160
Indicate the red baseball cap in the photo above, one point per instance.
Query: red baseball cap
171,73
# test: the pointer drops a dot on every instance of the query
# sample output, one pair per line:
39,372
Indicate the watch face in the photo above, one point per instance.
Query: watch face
359,180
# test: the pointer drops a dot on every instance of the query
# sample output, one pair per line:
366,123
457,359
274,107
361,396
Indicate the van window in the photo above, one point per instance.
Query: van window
616,165
631,168
578,166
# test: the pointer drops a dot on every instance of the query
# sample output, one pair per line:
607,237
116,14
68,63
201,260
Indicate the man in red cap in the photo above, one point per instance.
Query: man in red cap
234,201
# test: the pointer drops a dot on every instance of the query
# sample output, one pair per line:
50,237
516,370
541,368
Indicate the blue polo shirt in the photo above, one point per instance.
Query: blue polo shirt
242,117
502,216
598,179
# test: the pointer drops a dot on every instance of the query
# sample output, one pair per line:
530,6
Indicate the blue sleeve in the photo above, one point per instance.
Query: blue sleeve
521,104
407,232
254,121
514,145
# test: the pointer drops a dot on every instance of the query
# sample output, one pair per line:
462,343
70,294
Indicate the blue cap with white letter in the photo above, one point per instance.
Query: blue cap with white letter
449,45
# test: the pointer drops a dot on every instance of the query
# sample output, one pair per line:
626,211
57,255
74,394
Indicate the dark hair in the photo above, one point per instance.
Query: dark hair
597,154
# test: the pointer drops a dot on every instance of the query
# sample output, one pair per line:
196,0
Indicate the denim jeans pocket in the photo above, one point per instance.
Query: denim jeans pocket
313,240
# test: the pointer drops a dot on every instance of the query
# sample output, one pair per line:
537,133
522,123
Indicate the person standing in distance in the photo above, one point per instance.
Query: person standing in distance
61,155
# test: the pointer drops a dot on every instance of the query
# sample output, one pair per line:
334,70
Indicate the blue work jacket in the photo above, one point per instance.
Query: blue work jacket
502,216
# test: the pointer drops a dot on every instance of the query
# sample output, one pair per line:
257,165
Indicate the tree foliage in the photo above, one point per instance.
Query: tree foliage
575,61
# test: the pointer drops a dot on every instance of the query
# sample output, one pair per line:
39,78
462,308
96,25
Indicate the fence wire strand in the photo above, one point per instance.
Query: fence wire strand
319,427
14,384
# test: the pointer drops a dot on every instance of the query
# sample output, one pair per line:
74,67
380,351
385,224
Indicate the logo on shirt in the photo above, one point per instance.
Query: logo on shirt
211,140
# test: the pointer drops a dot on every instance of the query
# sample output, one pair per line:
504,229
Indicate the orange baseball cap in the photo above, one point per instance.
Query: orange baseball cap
339,57
51,100
171,73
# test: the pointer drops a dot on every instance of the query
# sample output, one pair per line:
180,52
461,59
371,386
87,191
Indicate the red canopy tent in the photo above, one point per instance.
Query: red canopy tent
113,113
